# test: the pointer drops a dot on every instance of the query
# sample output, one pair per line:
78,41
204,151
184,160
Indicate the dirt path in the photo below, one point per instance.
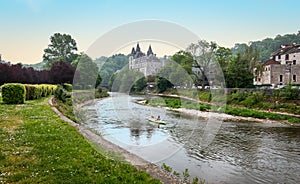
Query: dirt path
138,162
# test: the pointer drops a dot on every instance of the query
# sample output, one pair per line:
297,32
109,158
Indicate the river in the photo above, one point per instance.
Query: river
237,152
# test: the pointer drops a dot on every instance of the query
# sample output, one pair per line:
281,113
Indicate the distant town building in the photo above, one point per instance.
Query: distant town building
148,63
282,68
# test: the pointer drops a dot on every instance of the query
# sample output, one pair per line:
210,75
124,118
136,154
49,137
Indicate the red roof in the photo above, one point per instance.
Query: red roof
272,62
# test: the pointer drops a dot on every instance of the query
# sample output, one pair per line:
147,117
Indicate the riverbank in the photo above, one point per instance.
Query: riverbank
229,113
134,160
38,146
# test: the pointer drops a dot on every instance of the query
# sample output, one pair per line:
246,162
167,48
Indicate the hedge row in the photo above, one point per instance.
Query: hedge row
38,91
15,93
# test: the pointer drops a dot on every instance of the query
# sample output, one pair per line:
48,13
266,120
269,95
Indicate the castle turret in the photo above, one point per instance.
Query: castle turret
149,52
133,51
138,49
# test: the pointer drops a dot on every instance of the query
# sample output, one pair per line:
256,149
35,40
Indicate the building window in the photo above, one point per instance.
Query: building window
258,79
294,78
279,57
280,78
286,57
294,62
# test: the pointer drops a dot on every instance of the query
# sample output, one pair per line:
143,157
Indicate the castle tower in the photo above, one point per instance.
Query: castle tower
138,49
149,52
133,51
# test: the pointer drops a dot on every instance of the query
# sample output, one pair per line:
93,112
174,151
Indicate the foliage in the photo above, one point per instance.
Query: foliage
61,48
67,86
101,93
185,60
235,111
289,93
139,85
240,74
267,46
62,94
62,72
126,80
162,84
45,149
203,54
166,168
34,92
13,93
110,66
16,73
87,74
186,175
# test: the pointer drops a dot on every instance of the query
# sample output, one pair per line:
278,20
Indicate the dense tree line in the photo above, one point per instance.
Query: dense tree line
267,46
110,65
60,72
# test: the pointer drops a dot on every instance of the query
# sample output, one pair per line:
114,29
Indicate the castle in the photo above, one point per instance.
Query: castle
148,63
282,68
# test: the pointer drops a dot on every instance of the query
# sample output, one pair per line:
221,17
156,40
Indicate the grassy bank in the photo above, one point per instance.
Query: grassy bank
235,111
280,100
38,147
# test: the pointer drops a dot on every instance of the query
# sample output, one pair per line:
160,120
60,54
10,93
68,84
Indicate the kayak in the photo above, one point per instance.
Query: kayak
157,121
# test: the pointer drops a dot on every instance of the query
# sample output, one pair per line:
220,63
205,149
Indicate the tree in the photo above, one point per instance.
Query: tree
204,55
140,84
87,73
239,75
185,60
163,84
62,72
61,48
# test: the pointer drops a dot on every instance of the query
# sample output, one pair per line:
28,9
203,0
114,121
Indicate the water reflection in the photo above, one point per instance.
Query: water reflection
239,153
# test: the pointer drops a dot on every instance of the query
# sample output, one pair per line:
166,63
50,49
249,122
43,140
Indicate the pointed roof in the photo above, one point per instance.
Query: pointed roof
149,52
133,51
138,49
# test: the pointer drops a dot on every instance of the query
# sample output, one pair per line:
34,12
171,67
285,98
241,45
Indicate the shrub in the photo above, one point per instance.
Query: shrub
61,94
252,99
67,87
37,91
13,93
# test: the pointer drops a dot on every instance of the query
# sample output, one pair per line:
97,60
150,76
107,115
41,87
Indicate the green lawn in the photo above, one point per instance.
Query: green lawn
38,147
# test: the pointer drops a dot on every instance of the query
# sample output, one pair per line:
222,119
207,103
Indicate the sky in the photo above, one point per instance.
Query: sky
27,25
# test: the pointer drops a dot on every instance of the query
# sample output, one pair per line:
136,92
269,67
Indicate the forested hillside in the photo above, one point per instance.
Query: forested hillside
267,46
111,65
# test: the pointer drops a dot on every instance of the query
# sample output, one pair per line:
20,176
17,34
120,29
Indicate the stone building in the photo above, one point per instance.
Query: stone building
148,63
282,68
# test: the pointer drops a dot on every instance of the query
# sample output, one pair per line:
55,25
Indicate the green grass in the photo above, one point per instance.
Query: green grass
173,102
38,147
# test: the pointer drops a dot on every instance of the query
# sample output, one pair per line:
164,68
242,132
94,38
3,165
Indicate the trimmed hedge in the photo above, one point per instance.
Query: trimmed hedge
13,93
38,91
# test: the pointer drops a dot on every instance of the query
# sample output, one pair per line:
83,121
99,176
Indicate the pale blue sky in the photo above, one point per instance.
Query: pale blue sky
26,25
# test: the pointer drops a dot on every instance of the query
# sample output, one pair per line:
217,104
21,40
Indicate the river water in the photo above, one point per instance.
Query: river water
233,152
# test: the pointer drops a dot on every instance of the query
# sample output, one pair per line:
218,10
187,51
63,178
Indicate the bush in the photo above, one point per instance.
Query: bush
68,87
34,92
252,100
62,94
13,93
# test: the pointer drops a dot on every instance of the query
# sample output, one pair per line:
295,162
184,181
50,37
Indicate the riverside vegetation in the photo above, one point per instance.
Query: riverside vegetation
246,104
38,147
